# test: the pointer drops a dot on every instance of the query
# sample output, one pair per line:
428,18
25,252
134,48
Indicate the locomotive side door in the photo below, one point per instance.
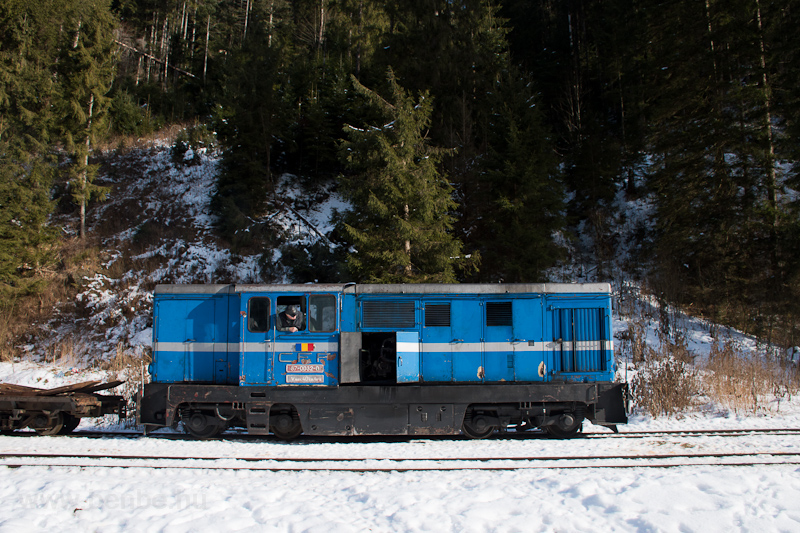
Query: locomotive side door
437,335
529,352
466,345
186,331
499,337
256,340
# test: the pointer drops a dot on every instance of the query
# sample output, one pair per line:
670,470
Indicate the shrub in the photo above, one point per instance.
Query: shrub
128,365
197,139
744,380
634,341
666,383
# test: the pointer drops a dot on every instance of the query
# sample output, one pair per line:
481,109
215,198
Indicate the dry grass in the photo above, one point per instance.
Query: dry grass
746,381
67,353
23,307
34,301
125,143
666,383
633,341
129,366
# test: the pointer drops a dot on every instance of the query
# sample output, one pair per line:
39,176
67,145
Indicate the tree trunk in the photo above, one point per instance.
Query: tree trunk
711,39
321,22
246,19
772,189
205,58
271,15
84,172
407,244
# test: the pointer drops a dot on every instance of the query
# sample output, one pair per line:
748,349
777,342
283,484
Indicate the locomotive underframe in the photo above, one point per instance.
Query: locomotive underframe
385,409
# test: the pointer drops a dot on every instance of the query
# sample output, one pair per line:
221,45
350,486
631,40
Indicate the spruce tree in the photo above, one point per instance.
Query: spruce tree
402,219
519,202
715,177
28,49
25,205
250,118
86,71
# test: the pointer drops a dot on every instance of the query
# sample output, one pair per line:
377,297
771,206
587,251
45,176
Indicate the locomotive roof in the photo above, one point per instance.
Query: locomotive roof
483,288
422,288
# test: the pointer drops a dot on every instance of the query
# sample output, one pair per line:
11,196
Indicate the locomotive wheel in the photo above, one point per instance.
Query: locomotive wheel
568,426
70,423
285,425
201,425
47,425
477,428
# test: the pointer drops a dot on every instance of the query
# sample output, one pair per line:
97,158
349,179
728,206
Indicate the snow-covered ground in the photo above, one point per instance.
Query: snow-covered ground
688,498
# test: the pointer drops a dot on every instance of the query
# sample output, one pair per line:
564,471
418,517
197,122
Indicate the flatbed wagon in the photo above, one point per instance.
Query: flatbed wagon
59,410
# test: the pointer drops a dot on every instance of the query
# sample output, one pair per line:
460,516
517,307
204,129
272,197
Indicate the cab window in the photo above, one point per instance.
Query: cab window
322,313
294,303
258,315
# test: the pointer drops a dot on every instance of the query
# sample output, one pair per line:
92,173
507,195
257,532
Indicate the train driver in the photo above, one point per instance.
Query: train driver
290,319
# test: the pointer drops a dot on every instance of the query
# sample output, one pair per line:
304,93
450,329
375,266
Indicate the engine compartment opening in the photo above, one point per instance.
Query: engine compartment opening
378,357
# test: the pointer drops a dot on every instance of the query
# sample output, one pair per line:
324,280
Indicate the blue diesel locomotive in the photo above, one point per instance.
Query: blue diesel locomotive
356,359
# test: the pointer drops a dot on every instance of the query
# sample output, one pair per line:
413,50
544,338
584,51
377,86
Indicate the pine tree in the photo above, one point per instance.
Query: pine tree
86,71
251,122
715,178
25,205
28,49
402,219
519,201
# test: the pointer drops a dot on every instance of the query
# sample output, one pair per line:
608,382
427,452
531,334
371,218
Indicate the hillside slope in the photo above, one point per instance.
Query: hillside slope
157,227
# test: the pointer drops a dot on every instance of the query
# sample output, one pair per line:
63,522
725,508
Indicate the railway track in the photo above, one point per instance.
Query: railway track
401,438
413,464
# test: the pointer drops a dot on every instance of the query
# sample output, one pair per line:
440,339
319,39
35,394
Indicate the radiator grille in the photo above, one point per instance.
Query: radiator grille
498,314
437,315
388,314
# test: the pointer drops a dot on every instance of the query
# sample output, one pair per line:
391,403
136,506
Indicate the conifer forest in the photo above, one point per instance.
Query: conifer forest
470,136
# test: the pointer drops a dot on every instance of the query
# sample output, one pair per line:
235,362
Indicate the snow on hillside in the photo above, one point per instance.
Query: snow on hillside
157,227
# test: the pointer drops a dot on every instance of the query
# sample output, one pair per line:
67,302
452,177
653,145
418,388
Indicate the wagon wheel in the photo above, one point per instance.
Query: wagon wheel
568,425
478,427
70,423
47,425
201,425
286,424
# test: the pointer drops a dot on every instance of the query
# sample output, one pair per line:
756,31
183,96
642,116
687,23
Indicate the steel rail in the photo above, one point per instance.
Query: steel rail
398,468
693,433
393,460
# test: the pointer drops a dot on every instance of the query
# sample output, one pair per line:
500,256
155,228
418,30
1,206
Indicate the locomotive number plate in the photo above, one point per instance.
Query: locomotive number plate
305,369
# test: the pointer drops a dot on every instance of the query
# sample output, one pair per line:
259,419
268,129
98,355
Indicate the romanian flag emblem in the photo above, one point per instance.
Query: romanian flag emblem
305,347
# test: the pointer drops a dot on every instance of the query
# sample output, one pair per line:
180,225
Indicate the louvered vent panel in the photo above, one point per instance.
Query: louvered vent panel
389,314
437,315
498,314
